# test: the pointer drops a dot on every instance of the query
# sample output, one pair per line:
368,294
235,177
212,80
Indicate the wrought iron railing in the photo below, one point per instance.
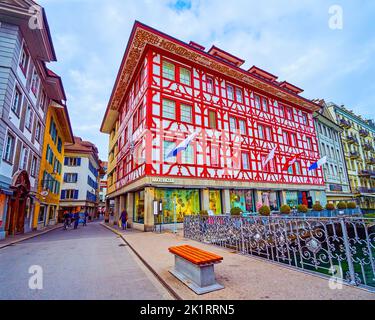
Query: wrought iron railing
343,248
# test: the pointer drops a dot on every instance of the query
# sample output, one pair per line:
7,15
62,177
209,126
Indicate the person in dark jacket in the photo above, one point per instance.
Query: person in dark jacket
76,219
124,219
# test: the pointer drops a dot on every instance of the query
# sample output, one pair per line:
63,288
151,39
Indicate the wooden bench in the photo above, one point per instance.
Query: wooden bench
195,268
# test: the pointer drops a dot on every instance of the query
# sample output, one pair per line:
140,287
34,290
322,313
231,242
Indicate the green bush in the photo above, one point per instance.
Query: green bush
317,207
302,208
235,211
264,211
341,205
285,209
352,205
330,206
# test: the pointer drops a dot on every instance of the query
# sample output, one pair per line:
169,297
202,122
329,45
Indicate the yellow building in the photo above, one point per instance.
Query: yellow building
58,132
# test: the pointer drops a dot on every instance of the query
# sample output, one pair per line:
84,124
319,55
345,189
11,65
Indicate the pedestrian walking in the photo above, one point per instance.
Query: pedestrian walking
76,219
124,219
106,216
85,219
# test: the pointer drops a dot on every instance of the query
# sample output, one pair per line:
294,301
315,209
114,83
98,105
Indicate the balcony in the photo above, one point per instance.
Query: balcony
345,124
368,147
354,154
351,139
366,190
370,161
364,133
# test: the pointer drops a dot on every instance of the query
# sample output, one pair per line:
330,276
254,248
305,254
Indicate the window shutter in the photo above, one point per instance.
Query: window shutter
66,161
78,162
75,194
63,194
65,177
75,177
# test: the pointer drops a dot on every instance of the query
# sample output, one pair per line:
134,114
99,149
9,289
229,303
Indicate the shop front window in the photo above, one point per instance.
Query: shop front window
139,207
41,214
271,199
215,201
292,199
242,199
177,203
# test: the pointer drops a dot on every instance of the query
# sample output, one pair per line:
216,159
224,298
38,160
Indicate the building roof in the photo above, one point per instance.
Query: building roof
82,147
143,36
38,39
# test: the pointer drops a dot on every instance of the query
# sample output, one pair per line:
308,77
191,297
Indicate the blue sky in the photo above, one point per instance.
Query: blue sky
290,39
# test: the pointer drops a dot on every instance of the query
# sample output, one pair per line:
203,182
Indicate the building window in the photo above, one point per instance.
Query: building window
169,109
29,117
188,155
215,201
267,133
139,206
34,165
24,158
293,140
9,148
215,160
210,85
186,113
309,143
286,137
185,76
168,146
42,101
242,125
261,132
69,194
232,124
59,145
230,92
297,166
38,131
289,113
72,162
242,199
245,161
305,119
239,97
24,62
212,119
265,104
17,100
35,82
53,131
168,70
257,102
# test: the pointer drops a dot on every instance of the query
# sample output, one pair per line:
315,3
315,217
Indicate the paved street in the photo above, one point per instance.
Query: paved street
88,263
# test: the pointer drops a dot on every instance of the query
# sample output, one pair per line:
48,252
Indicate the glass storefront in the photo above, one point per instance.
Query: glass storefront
243,199
271,199
292,198
183,202
215,201
139,207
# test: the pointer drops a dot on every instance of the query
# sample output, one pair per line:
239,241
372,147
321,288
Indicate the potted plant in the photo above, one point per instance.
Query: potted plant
264,211
342,205
285,209
302,208
317,207
352,205
330,206
235,211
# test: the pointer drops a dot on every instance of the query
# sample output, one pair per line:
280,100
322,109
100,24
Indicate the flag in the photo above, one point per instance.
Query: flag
292,160
182,146
318,164
269,157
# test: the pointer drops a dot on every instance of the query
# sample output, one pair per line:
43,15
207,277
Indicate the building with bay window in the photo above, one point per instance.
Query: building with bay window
80,185
358,137
27,88
165,91
330,145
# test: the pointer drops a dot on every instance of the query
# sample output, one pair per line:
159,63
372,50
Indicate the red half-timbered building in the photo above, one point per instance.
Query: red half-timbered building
166,90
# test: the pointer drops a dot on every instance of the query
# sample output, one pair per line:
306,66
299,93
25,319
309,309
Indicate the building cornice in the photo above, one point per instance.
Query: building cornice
143,36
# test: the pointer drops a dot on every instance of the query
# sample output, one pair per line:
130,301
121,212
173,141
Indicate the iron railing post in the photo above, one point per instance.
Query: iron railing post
347,251
242,236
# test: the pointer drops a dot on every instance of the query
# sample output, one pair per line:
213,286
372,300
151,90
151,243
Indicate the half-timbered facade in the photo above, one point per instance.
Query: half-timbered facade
167,90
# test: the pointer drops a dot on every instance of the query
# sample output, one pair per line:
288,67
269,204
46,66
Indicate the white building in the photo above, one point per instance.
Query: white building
80,187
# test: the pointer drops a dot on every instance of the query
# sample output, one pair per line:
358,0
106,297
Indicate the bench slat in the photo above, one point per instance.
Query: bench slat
195,255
